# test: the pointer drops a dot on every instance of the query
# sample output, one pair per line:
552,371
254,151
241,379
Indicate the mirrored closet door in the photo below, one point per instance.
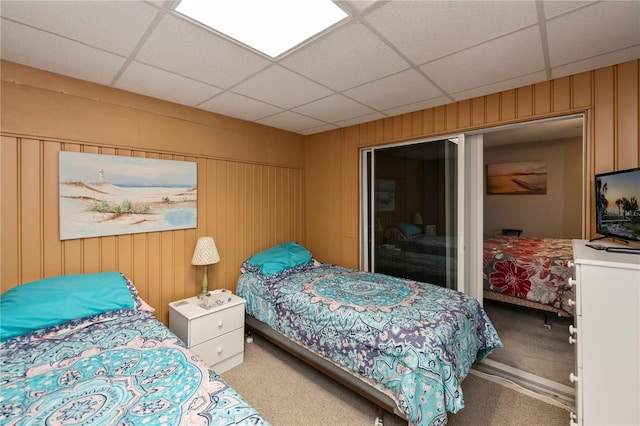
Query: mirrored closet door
411,211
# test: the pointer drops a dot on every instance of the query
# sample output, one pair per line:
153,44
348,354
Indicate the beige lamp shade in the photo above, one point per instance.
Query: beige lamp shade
205,252
416,218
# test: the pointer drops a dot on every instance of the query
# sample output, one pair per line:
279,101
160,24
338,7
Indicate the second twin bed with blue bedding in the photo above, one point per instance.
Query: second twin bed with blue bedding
412,341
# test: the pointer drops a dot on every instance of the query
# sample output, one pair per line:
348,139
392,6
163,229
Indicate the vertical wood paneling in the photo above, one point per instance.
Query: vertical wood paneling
477,111
508,105
628,154
561,94
581,90
464,114
525,102
30,207
10,268
51,245
603,116
492,105
542,98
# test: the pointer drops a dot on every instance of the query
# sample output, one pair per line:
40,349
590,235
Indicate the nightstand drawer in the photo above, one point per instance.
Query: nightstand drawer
222,321
217,350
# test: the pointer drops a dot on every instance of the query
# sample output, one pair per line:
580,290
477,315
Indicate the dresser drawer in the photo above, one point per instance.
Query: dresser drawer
208,327
217,350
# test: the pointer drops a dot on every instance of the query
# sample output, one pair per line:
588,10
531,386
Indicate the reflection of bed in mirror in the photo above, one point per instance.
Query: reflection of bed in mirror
525,271
409,253
529,271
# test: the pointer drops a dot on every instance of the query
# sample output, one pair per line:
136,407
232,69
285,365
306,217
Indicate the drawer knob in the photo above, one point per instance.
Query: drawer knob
571,282
572,329
571,302
220,324
572,340
573,378
219,351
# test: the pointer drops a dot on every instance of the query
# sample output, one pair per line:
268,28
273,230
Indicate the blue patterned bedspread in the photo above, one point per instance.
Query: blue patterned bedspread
415,342
123,368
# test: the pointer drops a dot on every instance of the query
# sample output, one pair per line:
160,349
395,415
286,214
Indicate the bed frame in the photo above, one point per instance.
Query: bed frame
512,300
340,375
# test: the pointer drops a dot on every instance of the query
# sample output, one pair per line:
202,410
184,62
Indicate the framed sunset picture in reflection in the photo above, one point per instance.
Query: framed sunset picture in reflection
523,177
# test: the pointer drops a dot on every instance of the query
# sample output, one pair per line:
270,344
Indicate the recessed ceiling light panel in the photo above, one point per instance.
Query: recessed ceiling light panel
270,26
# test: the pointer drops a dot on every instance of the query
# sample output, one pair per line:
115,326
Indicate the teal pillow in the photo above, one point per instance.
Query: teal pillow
407,228
51,301
279,258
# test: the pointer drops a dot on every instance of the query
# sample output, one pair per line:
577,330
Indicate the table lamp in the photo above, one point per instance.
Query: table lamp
205,254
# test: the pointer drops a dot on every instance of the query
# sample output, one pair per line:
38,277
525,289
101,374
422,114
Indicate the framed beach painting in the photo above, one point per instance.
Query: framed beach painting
104,195
523,177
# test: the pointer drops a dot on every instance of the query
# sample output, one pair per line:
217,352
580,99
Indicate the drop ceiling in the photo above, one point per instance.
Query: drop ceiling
385,59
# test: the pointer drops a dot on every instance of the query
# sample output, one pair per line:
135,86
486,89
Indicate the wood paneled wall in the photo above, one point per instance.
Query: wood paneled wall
609,97
251,184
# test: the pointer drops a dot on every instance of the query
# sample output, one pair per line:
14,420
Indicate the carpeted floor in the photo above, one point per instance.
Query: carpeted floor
288,392
529,345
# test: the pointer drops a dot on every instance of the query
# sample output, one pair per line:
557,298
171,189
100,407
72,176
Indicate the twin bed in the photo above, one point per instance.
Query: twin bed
405,345
85,349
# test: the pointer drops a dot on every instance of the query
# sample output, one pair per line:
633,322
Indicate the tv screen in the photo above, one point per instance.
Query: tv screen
617,213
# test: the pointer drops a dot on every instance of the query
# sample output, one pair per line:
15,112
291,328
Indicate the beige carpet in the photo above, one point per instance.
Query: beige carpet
288,392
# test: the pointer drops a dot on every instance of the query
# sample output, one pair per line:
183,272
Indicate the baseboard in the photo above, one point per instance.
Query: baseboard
563,395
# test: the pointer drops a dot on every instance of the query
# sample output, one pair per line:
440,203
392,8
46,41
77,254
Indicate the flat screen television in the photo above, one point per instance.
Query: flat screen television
616,202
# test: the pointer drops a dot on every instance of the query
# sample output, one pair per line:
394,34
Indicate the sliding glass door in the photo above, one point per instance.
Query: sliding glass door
412,211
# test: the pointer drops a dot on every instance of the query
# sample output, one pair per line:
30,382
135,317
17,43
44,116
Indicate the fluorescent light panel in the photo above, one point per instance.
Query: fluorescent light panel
270,26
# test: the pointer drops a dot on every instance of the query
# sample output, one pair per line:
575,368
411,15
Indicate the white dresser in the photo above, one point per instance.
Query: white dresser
215,334
607,336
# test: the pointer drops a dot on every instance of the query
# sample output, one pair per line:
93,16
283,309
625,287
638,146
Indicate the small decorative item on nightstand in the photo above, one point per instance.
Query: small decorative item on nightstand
216,334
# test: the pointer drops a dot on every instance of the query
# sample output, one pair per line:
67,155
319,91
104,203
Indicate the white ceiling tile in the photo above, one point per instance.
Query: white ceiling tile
332,108
432,29
467,49
161,84
554,8
57,54
403,109
361,119
184,48
291,121
491,62
116,26
239,106
323,128
358,6
584,33
507,84
596,62
347,57
279,86
399,89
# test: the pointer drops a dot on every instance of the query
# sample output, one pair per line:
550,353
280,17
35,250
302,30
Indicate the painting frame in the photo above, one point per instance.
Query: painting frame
385,195
104,195
517,178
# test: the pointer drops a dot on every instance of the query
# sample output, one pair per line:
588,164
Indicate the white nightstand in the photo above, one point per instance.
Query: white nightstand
216,334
